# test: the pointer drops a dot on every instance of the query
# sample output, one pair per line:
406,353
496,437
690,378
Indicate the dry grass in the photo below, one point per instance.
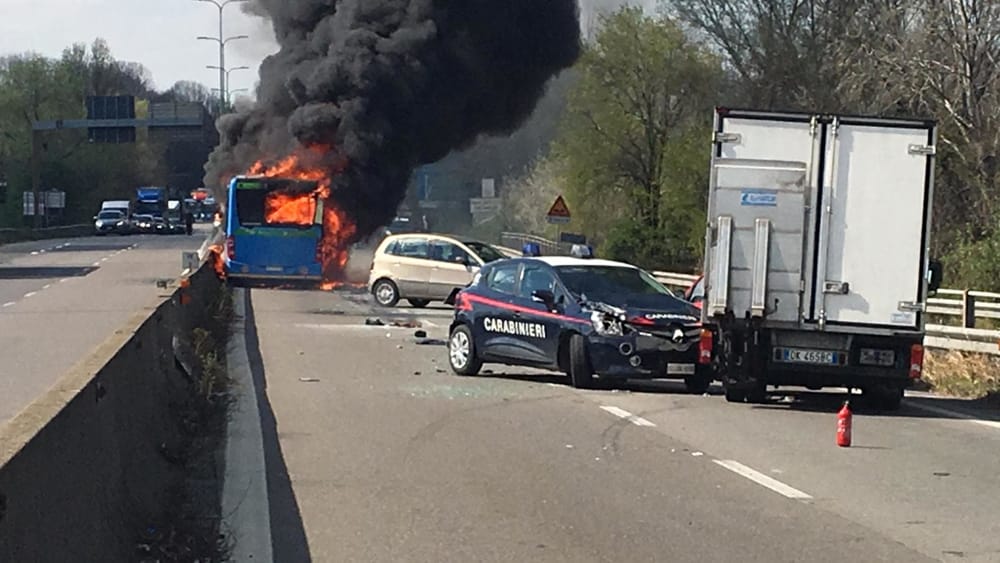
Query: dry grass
962,374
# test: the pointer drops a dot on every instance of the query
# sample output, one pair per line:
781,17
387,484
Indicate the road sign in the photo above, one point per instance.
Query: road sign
485,206
559,212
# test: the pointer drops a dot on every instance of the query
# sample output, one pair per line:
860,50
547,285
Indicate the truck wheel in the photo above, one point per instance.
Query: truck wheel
735,395
581,372
462,352
758,393
885,397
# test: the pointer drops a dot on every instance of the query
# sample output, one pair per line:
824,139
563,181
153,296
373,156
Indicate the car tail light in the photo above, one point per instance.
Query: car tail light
916,361
231,247
705,347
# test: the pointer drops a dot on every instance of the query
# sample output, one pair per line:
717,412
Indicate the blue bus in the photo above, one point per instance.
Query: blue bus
273,230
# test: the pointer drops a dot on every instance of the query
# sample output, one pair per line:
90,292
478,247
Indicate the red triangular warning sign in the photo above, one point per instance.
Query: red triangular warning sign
559,208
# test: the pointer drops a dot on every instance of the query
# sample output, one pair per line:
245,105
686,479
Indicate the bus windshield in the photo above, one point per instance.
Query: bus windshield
277,203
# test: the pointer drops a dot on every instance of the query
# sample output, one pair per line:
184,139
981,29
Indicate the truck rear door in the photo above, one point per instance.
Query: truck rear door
875,203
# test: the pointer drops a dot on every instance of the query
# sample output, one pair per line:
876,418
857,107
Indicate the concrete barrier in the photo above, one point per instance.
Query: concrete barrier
87,466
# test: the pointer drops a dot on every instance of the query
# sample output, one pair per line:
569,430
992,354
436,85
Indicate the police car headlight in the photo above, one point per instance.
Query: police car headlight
606,325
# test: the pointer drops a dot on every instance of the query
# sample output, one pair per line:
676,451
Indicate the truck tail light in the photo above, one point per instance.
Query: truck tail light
705,347
916,361
231,247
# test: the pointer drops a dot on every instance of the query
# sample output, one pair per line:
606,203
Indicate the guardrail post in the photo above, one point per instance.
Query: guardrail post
968,310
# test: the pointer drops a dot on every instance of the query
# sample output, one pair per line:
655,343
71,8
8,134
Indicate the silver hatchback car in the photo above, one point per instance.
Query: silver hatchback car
422,268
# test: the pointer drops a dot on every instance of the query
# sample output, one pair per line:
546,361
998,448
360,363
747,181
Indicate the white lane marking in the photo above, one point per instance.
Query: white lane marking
9,304
64,280
30,294
105,259
46,286
34,253
955,414
762,480
97,264
620,413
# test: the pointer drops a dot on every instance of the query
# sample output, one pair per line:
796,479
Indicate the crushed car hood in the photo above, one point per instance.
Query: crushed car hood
660,310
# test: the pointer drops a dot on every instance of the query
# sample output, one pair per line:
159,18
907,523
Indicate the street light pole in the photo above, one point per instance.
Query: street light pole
228,77
223,87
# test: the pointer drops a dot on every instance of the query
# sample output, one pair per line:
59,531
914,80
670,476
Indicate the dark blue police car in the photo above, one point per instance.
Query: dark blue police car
596,320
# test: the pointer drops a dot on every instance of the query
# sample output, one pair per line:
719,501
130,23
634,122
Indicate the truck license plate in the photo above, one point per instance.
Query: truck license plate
800,356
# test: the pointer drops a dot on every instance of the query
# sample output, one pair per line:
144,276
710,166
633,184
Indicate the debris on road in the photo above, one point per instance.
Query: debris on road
406,324
420,334
374,321
431,342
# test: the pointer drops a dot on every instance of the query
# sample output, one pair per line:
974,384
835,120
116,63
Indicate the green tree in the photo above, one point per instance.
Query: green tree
634,142
36,88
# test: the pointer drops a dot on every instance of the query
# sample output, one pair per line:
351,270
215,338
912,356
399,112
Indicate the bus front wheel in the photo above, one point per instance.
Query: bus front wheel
386,293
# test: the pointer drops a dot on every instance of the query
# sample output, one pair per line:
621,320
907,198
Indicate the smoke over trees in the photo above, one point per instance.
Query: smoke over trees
391,84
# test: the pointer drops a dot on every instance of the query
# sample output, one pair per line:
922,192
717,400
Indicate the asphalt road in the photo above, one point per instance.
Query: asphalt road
375,451
59,299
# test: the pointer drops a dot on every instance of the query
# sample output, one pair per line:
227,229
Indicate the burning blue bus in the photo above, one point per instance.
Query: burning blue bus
273,229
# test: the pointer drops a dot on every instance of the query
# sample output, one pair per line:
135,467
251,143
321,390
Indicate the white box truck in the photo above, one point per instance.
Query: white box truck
817,266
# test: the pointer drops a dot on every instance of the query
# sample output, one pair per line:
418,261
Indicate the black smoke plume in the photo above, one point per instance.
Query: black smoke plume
392,84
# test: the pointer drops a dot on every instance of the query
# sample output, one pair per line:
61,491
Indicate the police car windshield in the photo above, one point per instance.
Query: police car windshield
484,251
609,283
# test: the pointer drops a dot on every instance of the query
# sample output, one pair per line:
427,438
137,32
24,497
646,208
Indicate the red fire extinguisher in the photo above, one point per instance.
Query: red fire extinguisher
844,425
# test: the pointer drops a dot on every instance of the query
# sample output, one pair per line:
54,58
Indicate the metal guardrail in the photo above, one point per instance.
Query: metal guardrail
968,305
549,247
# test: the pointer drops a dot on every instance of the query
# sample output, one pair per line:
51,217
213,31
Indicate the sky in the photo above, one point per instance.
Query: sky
159,34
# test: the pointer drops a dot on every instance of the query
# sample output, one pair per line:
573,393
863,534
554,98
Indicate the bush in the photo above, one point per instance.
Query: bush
649,247
974,264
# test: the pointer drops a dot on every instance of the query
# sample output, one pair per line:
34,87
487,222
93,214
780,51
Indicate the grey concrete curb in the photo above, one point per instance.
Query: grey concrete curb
245,510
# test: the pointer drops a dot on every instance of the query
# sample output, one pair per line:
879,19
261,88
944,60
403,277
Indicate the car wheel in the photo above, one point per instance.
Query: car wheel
462,352
581,372
698,383
386,293
419,303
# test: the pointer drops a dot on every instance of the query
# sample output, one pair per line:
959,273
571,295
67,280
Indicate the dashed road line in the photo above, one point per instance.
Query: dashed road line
30,294
46,286
9,304
955,414
64,280
762,480
621,413
96,264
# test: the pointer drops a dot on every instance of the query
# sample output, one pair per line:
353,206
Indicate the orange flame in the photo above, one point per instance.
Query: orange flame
289,209
333,249
215,253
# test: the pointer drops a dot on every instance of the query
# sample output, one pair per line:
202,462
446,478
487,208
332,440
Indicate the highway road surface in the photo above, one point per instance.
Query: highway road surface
59,299
375,451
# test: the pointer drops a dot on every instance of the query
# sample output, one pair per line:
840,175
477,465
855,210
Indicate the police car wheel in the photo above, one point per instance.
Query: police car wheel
698,383
581,373
462,352
386,293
